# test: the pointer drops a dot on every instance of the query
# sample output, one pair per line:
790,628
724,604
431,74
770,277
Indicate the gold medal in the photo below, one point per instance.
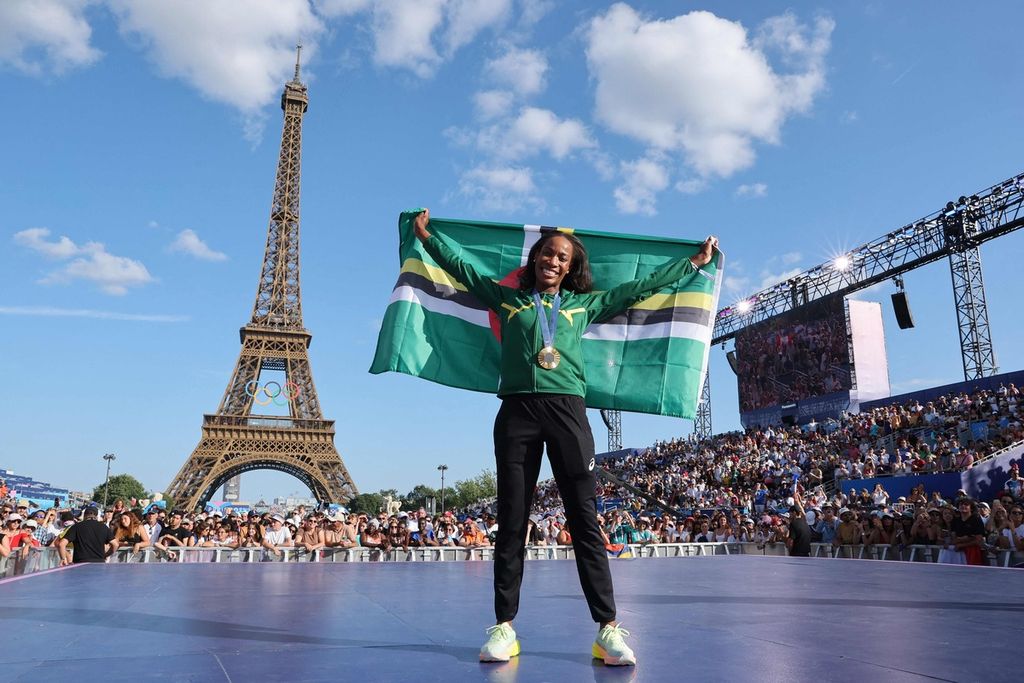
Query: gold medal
548,358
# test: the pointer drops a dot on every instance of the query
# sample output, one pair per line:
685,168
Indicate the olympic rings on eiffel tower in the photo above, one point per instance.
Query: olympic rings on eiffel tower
290,392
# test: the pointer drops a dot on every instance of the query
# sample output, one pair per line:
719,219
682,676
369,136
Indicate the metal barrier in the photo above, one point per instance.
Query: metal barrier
40,559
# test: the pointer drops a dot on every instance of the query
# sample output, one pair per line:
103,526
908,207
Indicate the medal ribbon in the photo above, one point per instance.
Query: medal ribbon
547,328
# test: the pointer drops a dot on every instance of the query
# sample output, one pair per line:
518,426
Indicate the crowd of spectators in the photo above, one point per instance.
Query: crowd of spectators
782,361
756,469
738,487
165,533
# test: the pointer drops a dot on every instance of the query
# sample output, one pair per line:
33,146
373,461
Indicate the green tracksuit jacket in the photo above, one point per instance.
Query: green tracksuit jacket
521,332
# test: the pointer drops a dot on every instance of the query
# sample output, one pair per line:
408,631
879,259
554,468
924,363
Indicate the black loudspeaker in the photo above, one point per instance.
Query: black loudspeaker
731,357
902,310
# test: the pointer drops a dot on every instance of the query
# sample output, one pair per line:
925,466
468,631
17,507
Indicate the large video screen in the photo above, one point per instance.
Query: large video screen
794,356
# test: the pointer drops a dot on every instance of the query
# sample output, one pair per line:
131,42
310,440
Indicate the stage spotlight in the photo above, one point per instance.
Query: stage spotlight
842,263
744,306
950,206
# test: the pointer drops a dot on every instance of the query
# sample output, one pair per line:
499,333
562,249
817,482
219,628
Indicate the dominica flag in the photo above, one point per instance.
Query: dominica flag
652,358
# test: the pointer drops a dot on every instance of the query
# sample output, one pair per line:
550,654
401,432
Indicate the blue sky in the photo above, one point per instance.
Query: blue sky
142,140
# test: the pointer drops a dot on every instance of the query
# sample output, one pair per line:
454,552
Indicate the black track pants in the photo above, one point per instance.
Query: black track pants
521,429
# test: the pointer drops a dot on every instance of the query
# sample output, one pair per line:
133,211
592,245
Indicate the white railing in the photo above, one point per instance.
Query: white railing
41,559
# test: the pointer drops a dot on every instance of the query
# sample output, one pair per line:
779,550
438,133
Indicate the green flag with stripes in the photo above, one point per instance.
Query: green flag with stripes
652,358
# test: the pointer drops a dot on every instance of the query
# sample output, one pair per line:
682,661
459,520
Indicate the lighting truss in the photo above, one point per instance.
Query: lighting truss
954,231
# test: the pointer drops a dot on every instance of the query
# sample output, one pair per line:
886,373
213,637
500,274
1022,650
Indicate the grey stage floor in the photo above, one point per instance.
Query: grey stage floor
733,618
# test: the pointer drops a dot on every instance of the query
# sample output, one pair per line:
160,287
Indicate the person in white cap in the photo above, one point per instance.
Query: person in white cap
277,536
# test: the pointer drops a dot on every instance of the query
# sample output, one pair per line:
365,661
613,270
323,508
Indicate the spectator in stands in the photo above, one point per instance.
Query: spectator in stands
472,536
849,531
222,537
423,536
447,533
45,533
340,534
564,537
704,533
826,525
92,540
534,536
310,537
883,529
918,496
151,525
174,535
1012,532
250,535
879,497
130,532
398,534
621,530
968,533
277,536
780,529
375,538
23,537
643,534
799,540
1014,484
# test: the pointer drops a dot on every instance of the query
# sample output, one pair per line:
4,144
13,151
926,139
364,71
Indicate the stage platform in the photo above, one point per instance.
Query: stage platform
723,618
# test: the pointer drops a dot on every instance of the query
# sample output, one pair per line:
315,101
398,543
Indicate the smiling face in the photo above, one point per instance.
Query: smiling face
552,263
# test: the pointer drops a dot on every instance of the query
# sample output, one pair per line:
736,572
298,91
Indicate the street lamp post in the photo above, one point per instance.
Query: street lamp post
106,484
442,469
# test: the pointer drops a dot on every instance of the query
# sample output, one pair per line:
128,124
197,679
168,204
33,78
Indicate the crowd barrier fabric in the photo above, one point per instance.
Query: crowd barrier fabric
40,559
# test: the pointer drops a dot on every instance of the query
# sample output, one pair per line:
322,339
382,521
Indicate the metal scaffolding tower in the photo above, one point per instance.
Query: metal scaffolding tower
702,423
955,232
613,421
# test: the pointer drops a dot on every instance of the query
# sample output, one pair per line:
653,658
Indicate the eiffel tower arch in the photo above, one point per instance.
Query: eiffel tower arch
236,439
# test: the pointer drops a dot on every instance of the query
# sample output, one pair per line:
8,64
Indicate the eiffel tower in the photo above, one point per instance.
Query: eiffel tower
234,440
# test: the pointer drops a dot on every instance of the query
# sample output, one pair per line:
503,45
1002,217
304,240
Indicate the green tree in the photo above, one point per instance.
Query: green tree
371,503
417,498
469,491
121,487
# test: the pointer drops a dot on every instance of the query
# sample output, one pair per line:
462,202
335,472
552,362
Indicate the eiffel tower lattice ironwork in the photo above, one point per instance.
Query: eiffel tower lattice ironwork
234,440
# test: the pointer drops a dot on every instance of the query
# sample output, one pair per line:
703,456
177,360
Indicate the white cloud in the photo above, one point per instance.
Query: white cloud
790,257
51,312
697,85
493,103
692,185
402,32
534,10
500,188
643,179
467,18
419,35
752,190
233,51
90,262
521,70
188,242
341,8
739,282
769,278
55,28
35,239
535,131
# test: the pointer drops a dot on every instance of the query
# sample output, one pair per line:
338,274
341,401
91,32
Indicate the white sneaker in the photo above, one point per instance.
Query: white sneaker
611,648
501,646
